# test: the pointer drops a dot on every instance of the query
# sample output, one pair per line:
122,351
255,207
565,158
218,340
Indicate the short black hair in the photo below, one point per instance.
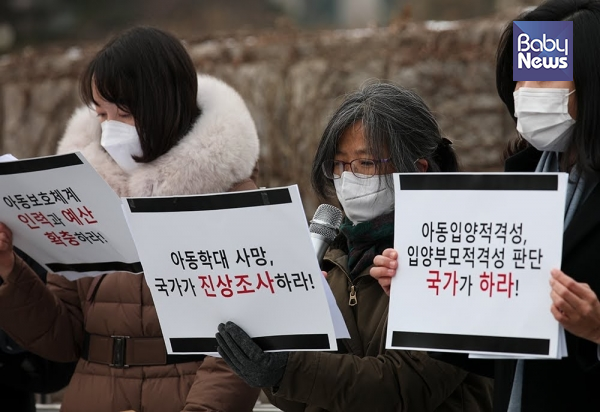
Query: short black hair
148,73
397,124
584,146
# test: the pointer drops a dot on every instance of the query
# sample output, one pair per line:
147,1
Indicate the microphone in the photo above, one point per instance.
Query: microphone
324,227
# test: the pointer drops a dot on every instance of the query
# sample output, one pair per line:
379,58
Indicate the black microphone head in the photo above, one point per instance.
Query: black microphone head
326,222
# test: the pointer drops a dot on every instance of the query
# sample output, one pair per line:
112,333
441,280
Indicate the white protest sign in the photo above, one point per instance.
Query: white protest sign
65,216
475,254
244,257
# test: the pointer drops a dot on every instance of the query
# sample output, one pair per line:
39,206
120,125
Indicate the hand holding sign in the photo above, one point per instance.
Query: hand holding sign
7,257
65,216
269,263
489,265
385,267
575,306
258,368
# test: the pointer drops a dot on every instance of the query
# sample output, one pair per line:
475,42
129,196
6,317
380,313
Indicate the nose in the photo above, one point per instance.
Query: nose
347,167
528,83
111,116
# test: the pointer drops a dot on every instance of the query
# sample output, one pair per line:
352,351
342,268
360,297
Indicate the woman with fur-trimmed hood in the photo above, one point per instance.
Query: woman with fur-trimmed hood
152,128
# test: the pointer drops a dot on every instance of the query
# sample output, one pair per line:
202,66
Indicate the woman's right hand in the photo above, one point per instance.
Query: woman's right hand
7,256
385,268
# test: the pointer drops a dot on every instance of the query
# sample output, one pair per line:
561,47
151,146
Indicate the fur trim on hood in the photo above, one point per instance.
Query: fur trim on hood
219,151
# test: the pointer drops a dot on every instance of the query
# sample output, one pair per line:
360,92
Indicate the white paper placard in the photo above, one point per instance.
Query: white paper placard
65,216
244,257
475,254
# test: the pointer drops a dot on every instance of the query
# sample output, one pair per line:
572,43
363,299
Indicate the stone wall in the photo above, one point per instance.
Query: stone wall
292,81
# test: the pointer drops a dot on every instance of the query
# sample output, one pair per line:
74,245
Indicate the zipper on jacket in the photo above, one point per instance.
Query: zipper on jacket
353,300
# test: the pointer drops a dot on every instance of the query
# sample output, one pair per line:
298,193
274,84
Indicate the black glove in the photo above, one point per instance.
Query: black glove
247,359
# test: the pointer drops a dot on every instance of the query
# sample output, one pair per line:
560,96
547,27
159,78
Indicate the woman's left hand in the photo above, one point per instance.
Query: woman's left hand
575,306
258,368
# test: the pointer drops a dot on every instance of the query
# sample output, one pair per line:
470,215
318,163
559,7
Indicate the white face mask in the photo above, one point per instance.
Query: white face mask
121,141
364,199
543,117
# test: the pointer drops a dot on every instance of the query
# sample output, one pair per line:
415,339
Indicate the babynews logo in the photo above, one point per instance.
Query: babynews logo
542,50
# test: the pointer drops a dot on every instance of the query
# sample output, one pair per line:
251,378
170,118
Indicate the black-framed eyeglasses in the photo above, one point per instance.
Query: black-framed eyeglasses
361,168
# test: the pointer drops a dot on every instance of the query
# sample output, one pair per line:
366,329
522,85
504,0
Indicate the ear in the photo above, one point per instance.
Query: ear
422,165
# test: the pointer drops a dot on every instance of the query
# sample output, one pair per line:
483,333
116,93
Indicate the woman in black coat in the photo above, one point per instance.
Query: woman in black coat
558,127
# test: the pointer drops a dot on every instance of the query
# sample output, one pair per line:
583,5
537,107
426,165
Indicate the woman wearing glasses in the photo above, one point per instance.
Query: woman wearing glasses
378,130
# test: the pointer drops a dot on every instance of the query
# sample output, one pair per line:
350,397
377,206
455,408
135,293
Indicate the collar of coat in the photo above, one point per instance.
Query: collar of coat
220,150
586,219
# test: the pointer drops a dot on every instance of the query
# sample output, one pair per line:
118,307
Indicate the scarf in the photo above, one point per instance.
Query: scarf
579,186
367,240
